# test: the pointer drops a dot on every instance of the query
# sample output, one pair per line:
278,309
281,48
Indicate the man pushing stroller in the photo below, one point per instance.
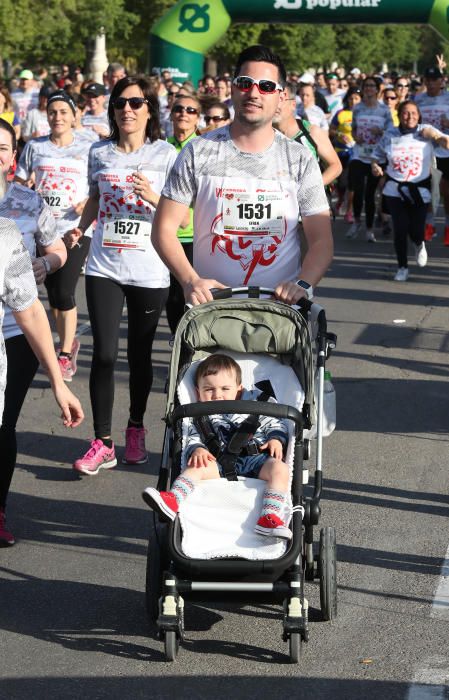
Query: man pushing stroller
219,378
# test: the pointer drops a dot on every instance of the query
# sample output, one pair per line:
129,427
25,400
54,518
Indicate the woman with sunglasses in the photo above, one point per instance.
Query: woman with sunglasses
185,115
59,162
217,114
402,88
371,119
408,151
126,175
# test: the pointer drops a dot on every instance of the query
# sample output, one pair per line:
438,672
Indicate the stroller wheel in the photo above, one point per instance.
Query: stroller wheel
327,569
171,645
294,643
156,564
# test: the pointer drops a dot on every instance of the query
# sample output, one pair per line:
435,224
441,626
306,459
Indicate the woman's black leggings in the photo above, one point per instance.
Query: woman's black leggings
176,302
364,184
61,284
408,220
22,366
105,299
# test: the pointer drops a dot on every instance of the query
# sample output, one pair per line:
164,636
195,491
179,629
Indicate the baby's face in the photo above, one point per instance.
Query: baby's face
219,387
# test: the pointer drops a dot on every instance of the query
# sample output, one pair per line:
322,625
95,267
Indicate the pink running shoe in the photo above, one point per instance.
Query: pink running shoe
349,217
163,502
74,352
97,457
6,538
65,365
272,526
135,451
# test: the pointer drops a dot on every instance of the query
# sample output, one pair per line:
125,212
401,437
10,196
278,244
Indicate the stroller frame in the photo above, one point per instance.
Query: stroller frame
171,574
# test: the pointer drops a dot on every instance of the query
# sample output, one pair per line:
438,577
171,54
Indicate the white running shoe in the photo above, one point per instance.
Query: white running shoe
421,255
354,230
401,275
370,237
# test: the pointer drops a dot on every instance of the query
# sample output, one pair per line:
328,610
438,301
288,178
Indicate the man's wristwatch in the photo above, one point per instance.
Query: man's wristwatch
46,264
307,288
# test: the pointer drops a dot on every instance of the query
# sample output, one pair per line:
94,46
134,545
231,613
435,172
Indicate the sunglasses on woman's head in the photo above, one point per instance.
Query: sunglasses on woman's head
215,119
180,109
266,87
134,102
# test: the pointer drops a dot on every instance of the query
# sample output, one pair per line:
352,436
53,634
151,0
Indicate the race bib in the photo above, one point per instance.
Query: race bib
131,233
366,151
252,214
57,200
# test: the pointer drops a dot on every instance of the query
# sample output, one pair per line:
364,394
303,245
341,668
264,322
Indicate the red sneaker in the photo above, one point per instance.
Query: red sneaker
65,365
6,538
429,232
272,526
446,235
163,502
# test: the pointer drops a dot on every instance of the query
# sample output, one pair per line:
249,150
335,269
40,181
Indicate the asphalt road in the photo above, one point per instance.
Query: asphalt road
72,614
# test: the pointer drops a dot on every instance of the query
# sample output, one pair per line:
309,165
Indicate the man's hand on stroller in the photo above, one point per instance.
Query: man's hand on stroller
197,291
273,447
289,292
200,458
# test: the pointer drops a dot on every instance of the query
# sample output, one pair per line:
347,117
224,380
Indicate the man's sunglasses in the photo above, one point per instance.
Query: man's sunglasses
265,87
180,109
215,119
402,85
134,102
390,97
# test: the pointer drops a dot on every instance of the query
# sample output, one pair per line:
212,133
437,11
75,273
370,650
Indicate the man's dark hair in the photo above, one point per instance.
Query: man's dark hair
261,54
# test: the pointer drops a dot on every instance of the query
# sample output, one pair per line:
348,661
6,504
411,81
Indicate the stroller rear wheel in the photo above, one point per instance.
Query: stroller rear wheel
171,645
327,570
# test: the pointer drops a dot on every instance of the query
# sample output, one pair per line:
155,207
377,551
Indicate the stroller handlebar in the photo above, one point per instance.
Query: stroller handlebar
254,293
262,408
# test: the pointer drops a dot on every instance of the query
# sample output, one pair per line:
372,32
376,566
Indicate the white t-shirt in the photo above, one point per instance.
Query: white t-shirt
37,225
364,120
121,245
17,286
246,206
409,159
35,122
314,115
432,109
61,176
24,101
89,120
334,101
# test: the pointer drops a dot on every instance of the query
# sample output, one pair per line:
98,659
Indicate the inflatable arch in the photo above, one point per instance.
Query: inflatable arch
180,39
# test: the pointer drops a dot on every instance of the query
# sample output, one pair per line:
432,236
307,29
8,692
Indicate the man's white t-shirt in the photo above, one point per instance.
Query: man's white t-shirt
432,110
247,206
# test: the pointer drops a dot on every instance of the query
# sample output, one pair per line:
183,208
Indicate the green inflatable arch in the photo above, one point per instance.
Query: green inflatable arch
180,39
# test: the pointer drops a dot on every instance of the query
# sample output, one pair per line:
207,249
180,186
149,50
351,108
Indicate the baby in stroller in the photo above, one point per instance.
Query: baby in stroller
219,378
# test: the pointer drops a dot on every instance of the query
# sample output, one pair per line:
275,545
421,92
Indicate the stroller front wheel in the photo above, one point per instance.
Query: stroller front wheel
294,643
171,645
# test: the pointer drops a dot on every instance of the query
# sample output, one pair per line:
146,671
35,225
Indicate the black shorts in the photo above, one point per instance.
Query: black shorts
443,166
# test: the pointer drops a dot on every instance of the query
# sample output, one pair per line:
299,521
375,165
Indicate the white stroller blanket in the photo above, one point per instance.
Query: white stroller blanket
219,518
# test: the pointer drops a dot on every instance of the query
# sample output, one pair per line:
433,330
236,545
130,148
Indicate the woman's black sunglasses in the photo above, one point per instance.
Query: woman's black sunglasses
180,109
215,119
134,102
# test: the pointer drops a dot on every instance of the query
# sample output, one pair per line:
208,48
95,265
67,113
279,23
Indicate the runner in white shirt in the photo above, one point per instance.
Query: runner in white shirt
96,116
309,110
26,96
126,175
24,211
370,119
248,185
408,150
59,162
36,123
434,107
333,94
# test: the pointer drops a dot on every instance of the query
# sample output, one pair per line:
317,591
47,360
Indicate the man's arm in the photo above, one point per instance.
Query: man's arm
327,153
320,249
168,218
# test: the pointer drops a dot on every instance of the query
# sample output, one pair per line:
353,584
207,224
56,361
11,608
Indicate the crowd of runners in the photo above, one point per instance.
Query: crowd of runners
158,191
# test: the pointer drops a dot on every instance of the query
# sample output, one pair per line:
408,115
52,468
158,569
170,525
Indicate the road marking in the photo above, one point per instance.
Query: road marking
83,328
440,605
430,682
